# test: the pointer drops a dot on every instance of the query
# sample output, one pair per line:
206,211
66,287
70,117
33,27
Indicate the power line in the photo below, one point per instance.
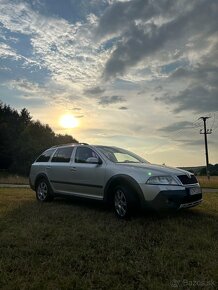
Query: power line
214,118
215,123
195,125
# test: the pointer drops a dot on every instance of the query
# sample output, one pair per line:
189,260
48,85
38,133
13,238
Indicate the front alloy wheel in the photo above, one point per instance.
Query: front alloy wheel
120,203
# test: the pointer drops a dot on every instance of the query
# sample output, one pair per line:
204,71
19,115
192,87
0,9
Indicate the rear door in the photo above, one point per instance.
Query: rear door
59,170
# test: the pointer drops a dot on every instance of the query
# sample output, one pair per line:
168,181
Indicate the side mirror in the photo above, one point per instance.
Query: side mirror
94,160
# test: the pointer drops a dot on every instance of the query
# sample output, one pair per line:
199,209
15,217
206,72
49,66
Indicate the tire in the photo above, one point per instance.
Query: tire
43,191
124,201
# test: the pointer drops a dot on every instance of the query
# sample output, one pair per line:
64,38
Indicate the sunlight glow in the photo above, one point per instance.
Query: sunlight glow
68,121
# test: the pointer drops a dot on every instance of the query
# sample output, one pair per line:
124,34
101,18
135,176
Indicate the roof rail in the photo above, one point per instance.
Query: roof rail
69,144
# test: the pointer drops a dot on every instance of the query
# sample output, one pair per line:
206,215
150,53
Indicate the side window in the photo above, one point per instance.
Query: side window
45,156
83,153
62,155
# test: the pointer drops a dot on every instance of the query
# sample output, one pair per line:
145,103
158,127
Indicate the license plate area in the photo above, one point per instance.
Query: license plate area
194,190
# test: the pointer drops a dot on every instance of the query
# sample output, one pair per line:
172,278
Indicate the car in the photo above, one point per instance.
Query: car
116,176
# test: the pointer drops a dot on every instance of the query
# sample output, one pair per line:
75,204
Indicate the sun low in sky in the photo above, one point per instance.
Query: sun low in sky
68,121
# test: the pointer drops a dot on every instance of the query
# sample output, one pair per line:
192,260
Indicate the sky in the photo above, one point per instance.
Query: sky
135,74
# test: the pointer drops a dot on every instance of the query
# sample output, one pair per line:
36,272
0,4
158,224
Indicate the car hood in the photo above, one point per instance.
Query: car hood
157,169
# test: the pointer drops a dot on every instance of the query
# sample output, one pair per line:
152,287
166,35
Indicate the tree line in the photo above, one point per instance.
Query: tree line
201,170
213,169
23,139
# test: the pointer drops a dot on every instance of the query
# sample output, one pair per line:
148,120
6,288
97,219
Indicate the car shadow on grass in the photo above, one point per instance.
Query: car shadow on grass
83,203
101,207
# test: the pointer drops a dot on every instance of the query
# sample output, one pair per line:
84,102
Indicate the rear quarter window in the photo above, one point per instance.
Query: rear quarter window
45,156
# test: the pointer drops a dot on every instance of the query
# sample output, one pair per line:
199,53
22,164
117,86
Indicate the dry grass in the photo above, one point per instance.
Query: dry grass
69,244
212,183
13,179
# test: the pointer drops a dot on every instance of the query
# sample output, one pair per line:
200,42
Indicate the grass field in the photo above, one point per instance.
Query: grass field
204,182
79,245
13,179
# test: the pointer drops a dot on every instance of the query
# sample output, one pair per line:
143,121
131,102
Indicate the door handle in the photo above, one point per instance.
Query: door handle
48,167
73,169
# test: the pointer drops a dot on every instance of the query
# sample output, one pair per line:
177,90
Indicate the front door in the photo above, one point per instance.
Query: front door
88,178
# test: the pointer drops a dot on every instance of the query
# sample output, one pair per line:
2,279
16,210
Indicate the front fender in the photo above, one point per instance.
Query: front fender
123,179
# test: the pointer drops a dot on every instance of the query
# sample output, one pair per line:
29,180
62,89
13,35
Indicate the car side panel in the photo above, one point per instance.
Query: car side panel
88,178
60,176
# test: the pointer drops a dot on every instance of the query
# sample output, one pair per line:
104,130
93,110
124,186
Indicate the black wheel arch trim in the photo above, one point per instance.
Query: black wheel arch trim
119,178
40,176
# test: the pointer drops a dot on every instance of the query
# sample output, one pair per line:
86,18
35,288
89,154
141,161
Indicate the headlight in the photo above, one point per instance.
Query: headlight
168,180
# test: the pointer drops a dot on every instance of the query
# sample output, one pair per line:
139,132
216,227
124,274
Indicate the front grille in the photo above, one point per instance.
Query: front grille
185,179
191,198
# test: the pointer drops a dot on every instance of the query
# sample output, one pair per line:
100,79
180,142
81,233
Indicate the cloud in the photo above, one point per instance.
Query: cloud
177,126
108,100
118,16
197,98
51,92
76,109
146,28
204,71
68,51
25,86
199,84
94,91
30,90
7,52
196,142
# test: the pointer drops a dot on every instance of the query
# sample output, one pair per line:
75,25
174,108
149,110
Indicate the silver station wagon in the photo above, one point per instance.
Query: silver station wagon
114,175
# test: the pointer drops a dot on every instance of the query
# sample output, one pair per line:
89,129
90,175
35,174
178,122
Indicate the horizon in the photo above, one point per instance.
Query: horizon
131,74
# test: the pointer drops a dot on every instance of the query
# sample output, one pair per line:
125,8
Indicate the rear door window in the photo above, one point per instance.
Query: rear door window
63,155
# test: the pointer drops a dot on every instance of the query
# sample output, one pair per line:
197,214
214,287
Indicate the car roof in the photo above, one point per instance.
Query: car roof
81,144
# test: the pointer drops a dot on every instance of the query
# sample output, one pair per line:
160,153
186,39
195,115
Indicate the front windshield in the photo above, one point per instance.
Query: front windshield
119,155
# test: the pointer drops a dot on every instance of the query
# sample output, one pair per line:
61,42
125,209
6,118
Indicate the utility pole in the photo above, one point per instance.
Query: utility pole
206,131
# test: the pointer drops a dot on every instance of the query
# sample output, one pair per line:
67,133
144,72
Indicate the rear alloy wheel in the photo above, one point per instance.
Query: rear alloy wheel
124,202
43,191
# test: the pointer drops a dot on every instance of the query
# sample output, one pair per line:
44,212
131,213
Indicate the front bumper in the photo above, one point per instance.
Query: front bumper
172,198
190,204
